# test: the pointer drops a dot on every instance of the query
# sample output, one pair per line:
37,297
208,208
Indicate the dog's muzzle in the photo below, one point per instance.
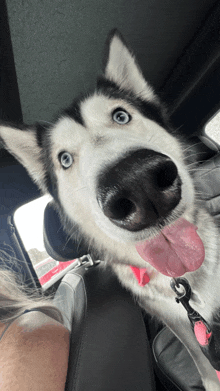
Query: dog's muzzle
139,190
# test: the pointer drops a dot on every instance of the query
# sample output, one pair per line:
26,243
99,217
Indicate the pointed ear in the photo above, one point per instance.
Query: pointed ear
22,144
121,68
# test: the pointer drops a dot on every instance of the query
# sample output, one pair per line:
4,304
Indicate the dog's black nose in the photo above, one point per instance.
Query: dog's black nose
139,190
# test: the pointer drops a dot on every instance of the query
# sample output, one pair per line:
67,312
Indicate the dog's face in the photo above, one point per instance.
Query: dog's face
110,161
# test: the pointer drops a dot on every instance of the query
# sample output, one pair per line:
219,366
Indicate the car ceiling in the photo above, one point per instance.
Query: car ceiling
58,45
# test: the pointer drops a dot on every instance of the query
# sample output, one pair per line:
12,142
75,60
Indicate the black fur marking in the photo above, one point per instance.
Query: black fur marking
50,179
107,86
150,110
48,184
40,132
43,140
50,176
74,112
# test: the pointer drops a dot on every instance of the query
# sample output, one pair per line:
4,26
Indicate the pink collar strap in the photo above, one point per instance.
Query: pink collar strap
141,275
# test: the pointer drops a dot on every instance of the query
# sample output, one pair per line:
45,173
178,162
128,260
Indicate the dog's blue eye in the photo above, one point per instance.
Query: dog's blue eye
66,159
121,116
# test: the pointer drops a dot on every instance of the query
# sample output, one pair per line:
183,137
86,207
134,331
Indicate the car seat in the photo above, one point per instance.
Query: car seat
109,349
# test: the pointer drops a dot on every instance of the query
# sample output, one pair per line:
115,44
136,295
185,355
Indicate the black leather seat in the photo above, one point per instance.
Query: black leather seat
175,367
109,349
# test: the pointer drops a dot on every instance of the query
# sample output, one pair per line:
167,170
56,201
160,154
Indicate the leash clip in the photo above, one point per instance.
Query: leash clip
183,290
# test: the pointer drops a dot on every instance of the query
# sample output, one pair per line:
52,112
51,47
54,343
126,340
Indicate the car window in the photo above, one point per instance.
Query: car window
212,128
29,223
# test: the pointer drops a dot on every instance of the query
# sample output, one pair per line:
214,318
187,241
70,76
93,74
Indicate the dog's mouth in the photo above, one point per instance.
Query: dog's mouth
176,250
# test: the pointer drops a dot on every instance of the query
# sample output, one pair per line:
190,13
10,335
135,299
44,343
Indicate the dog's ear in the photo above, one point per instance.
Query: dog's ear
23,145
120,67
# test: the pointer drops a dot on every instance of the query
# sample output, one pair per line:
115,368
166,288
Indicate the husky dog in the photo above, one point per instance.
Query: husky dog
119,174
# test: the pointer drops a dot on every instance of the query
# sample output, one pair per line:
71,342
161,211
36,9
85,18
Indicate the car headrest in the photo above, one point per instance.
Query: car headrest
58,243
61,247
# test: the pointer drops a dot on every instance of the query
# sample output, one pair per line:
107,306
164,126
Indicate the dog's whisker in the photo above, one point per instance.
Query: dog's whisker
196,163
193,154
46,122
80,188
70,237
196,169
191,146
198,192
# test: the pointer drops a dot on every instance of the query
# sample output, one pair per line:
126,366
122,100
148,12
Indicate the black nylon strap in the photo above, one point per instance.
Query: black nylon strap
211,350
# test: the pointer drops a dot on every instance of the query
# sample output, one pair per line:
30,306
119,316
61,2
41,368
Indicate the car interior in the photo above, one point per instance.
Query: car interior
51,51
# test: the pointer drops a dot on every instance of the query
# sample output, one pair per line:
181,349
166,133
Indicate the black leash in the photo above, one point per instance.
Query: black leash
207,337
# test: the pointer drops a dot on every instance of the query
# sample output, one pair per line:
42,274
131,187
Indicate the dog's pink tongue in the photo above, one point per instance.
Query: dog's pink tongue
176,250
